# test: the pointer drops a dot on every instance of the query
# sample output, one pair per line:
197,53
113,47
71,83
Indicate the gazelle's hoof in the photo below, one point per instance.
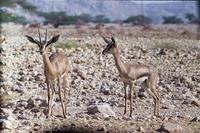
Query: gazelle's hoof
130,116
64,116
157,115
48,116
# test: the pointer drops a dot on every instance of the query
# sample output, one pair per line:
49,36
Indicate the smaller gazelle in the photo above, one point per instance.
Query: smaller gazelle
56,66
129,73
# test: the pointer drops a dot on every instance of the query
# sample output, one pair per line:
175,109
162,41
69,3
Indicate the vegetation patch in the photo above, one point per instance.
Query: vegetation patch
67,45
70,44
167,45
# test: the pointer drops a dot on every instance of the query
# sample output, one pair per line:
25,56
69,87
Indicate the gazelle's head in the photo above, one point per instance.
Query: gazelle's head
110,45
43,44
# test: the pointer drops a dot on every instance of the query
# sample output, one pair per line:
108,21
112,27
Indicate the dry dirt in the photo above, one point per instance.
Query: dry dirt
93,80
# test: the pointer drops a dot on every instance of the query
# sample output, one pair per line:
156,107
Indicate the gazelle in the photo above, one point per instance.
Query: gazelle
56,66
129,73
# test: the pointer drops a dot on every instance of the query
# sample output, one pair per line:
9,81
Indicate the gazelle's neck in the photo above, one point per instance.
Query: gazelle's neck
47,64
120,65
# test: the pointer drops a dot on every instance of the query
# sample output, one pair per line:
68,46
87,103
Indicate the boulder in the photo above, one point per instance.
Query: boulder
104,109
170,127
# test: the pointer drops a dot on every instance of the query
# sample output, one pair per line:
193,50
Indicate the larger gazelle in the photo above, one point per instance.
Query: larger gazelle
129,73
56,66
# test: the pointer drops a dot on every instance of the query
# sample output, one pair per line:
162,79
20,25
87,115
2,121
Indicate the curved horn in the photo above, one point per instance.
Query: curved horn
39,35
46,36
106,40
113,40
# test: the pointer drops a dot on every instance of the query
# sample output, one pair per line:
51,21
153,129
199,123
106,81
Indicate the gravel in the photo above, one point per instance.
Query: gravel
95,93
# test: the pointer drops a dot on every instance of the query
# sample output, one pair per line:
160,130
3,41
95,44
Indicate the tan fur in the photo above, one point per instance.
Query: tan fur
54,67
129,73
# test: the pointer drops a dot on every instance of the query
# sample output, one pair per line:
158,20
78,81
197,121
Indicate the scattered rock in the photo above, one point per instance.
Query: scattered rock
43,103
104,109
170,127
80,73
192,101
30,103
105,89
39,77
35,110
196,119
141,129
102,129
6,124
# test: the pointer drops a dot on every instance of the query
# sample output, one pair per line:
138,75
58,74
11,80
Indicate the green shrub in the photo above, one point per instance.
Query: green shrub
67,45
191,18
172,20
7,17
101,19
138,20
167,45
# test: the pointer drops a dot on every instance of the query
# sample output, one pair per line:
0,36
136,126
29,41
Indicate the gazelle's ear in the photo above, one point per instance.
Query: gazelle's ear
33,40
106,40
53,40
113,40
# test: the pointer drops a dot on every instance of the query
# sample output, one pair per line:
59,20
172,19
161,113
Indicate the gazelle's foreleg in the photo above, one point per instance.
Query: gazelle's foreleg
125,96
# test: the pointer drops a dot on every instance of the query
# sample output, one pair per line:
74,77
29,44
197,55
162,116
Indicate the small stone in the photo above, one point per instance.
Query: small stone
35,110
141,129
104,109
43,103
39,77
5,124
17,88
31,103
102,129
105,89
86,86
80,73
196,119
192,101
170,127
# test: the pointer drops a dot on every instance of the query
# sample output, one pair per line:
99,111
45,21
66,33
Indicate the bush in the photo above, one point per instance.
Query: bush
7,17
172,20
22,3
61,18
138,20
101,19
191,18
67,45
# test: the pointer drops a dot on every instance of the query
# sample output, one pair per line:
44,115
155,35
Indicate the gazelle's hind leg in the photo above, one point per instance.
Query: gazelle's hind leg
155,101
61,98
151,84
51,91
131,85
158,97
65,85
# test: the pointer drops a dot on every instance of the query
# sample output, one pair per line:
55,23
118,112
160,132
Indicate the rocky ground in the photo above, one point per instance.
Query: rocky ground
95,92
